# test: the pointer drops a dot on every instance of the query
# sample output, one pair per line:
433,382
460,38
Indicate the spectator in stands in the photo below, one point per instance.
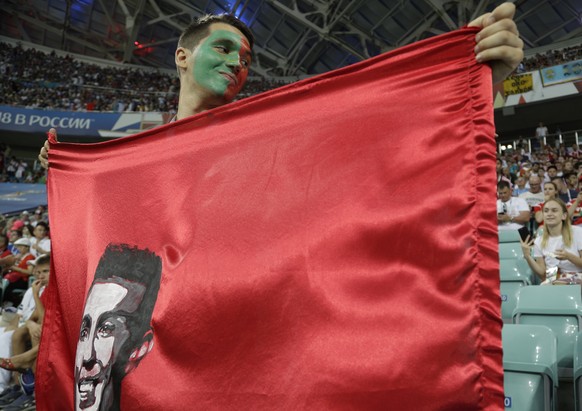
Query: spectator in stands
575,210
572,183
535,194
550,193
13,236
512,212
21,342
7,259
519,187
563,193
27,231
18,274
40,243
557,257
500,174
552,172
36,218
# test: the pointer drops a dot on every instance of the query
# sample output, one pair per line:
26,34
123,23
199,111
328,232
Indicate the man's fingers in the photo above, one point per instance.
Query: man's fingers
503,11
499,40
506,54
505,25
478,22
53,131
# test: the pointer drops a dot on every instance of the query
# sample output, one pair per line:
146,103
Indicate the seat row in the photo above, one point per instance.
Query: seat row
542,336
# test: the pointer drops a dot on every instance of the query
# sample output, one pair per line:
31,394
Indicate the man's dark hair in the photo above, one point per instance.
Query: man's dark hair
43,259
552,166
199,28
503,184
43,224
137,266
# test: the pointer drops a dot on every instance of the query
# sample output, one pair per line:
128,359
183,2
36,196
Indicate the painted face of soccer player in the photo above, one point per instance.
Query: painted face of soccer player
219,64
102,356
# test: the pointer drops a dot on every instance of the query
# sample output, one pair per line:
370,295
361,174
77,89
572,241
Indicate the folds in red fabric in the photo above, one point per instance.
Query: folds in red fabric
330,245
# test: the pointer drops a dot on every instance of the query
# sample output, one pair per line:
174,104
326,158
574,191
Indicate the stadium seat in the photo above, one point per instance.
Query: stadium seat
529,365
508,236
509,251
578,372
511,280
556,307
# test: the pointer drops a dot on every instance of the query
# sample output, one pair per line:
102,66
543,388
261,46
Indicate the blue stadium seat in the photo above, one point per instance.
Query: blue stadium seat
558,308
529,365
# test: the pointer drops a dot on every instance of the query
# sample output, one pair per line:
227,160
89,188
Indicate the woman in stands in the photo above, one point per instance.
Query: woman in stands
557,257
40,243
550,192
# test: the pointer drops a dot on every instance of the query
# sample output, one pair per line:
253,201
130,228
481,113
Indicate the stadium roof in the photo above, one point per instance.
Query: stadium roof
293,37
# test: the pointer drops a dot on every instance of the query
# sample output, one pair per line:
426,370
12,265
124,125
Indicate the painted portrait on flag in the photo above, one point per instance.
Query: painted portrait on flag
115,330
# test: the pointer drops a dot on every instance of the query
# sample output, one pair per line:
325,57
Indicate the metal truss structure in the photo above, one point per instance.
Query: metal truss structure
294,38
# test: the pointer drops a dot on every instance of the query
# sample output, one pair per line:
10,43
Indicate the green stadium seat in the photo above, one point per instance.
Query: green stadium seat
558,308
508,236
510,251
578,372
510,284
529,365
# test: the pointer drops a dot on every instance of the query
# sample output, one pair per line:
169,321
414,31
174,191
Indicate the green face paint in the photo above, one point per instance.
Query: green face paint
221,63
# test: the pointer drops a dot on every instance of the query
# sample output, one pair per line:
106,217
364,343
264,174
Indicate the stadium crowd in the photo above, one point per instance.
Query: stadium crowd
25,266
551,58
39,80
18,170
35,79
538,190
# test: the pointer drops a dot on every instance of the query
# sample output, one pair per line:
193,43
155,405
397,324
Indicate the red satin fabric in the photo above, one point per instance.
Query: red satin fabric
330,245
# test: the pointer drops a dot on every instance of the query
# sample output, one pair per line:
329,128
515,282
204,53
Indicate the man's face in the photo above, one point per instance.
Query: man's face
573,180
42,273
39,231
22,249
504,194
13,236
535,185
104,331
552,172
520,182
220,62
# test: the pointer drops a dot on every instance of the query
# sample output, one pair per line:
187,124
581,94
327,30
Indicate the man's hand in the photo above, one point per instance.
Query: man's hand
36,286
498,41
43,155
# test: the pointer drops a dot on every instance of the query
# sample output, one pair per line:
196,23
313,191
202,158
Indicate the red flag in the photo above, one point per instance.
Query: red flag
330,245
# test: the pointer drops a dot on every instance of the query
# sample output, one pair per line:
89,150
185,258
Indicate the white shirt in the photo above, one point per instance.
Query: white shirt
533,199
557,243
45,244
512,208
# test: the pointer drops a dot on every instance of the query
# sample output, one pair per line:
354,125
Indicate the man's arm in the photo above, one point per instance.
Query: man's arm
498,42
38,314
43,155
